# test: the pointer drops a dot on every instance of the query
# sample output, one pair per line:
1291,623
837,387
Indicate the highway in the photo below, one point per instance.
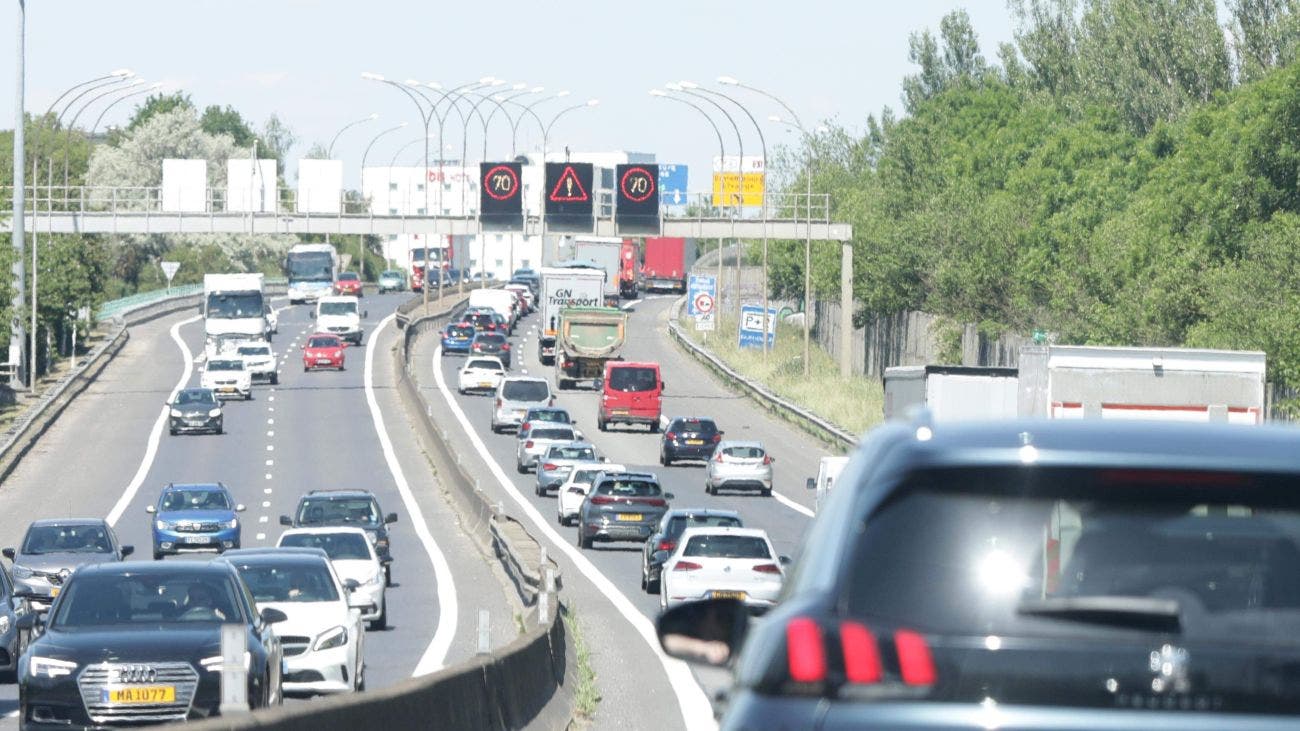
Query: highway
616,624
109,454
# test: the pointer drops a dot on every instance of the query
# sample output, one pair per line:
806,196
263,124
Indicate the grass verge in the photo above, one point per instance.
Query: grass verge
586,696
855,404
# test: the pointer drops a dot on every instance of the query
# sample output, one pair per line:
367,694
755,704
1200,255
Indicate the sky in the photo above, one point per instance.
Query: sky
302,61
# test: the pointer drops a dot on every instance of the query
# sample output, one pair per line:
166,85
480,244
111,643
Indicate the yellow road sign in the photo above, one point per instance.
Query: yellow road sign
727,191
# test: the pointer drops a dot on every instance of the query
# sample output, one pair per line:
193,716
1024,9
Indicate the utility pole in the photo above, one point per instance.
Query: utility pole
846,309
16,334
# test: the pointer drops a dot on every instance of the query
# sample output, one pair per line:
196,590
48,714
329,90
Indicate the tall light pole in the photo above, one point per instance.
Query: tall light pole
329,155
98,120
16,335
762,200
329,151
528,108
722,155
807,244
546,134
366,154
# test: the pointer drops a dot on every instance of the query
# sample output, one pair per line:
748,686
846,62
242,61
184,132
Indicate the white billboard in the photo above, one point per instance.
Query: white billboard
185,186
733,164
250,188
320,186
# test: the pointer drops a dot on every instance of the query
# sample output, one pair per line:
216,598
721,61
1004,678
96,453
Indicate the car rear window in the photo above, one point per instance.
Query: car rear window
490,338
679,523
526,391
699,426
584,453
744,452
628,487
490,365
723,546
460,331
551,433
554,416
632,379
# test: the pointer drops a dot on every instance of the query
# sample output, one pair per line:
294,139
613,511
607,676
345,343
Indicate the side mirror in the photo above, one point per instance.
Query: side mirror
390,518
770,458
659,556
9,553
30,621
784,560
365,314
708,632
811,484
669,496
150,509
358,601
286,520
273,616
351,585
240,508
662,387
127,551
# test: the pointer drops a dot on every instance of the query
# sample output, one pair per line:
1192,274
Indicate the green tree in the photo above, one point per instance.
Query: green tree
156,104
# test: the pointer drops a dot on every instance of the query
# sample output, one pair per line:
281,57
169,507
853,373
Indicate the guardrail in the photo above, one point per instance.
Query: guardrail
793,413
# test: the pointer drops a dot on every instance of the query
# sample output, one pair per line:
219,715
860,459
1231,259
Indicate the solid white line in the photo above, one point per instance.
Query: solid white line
151,446
792,504
697,713
435,655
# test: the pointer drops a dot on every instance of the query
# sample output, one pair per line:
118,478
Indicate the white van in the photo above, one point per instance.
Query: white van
340,315
501,301
827,473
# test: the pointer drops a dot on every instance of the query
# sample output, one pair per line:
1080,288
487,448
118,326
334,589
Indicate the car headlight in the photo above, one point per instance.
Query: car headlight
334,637
4,623
160,524
214,413
177,413
213,664
232,523
48,667
22,572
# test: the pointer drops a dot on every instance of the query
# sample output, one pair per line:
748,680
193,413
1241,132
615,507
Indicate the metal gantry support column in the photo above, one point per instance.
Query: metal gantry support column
846,309
17,335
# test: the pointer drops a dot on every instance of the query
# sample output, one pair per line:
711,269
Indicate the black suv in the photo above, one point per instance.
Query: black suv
354,508
1031,575
689,437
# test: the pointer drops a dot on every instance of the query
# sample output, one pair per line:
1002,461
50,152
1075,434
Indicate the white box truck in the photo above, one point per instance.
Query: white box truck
566,286
951,393
606,253
234,304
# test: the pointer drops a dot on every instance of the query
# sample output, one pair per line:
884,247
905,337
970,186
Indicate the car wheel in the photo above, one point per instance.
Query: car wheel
157,556
275,379
305,368
361,679
601,424
663,459
767,492
519,467
654,427
652,586
381,622
172,431
708,488
583,541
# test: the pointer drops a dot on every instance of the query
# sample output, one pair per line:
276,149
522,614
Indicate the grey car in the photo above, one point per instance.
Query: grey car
670,529
739,466
12,640
622,507
53,548
553,465
195,410
515,396
541,438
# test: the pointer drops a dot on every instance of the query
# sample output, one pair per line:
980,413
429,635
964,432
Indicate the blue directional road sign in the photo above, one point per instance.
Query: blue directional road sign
751,326
701,294
672,185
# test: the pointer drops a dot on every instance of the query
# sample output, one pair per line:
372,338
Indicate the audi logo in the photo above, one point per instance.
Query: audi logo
133,674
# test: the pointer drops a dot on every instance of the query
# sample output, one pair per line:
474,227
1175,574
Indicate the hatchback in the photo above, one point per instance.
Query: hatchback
541,438
722,563
456,338
554,465
480,373
688,437
491,343
669,532
392,280
349,283
739,466
53,548
515,396
323,350
573,491
1040,574
195,409
621,507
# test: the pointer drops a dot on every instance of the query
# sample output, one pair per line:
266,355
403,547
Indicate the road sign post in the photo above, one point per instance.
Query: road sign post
751,326
637,209
501,196
569,197
234,669
169,270
701,301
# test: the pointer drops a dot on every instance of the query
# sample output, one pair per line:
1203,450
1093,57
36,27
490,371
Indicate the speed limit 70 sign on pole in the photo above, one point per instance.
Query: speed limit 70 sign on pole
500,196
637,209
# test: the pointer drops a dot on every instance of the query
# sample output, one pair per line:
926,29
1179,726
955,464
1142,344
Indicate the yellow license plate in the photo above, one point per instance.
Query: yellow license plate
54,591
728,595
694,442
485,384
630,517
141,694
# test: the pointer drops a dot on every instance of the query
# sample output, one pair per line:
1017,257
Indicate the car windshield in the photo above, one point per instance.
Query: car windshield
225,365
744,452
338,308
391,274
255,350
551,433
632,379
724,546
348,277
289,582
323,342
66,539
982,552
147,598
194,500
338,546
679,523
488,365
628,487
338,511
526,391
586,454
223,306
196,396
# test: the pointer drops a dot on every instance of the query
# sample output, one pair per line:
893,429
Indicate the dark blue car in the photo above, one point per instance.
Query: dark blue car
457,337
194,517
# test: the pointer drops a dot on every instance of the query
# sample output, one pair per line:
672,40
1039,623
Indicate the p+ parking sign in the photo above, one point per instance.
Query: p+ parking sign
751,326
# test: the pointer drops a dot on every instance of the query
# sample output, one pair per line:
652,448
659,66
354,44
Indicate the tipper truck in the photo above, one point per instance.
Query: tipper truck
606,253
587,337
565,286
233,304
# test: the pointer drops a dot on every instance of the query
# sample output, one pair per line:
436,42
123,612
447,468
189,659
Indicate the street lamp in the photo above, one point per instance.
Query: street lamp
152,87
528,109
546,134
329,151
366,154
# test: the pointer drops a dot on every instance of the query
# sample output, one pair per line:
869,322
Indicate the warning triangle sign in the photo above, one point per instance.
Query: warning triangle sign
569,189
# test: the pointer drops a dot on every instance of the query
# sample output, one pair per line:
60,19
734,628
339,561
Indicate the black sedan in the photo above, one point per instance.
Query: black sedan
688,437
12,641
195,410
135,643
1032,575
491,343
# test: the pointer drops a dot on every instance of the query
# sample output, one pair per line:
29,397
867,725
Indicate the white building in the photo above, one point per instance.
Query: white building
412,191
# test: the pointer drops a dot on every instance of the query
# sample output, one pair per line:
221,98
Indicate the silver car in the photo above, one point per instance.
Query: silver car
541,438
554,465
739,466
53,549
515,396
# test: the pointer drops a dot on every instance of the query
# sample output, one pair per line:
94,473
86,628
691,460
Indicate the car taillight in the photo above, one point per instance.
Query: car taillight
767,459
602,500
861,654
666,545
655,502
767,568
550,467
718,458
686,566
717,438
915,664
506,346
528,444
498,403
805,654
670,436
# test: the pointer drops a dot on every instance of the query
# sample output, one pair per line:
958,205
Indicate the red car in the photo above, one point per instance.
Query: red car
323,350
348,283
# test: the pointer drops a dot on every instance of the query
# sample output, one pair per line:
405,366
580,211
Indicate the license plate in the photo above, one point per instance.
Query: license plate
728,595
485,384
227,389
54,591
618,412
139,694
196,540
630,517
694,442
322,361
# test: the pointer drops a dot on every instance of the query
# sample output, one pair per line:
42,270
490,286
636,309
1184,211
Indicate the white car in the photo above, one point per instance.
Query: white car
354,559
340,315
259,361
526,291
480,373
227,376
272,321
722,563
323,637
574,489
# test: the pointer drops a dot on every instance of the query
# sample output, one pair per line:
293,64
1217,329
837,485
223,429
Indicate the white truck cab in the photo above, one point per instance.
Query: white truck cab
828,471
340,315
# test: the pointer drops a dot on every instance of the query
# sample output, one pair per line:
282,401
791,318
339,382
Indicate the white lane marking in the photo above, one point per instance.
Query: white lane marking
267,491
263,519
270,462
261,536
435,656
270,434
268,475
151,446
270,421
270,398
266,503
627,305
792,504
270,447
697,713
270,408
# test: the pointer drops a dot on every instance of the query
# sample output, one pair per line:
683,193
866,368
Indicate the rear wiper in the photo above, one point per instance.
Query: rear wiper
1135,612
